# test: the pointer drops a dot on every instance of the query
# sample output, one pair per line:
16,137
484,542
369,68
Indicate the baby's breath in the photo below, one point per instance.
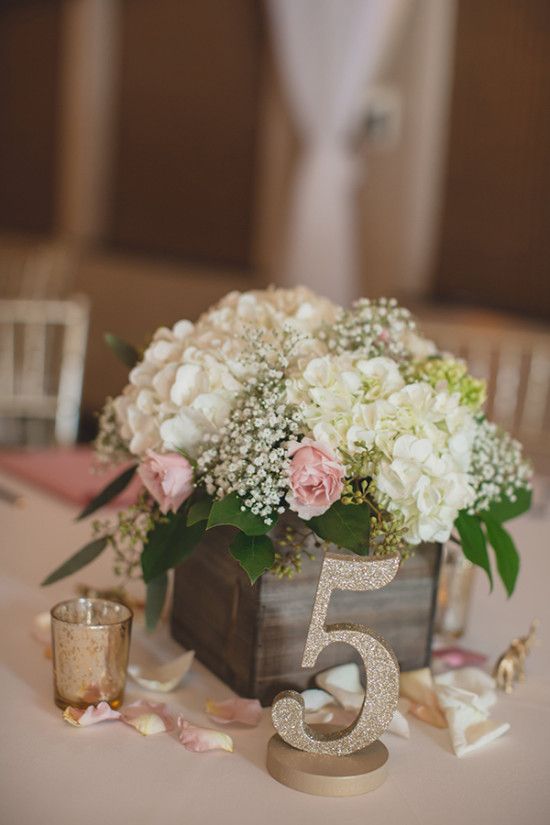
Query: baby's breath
109,446
127,535
248,455
498,468
373,327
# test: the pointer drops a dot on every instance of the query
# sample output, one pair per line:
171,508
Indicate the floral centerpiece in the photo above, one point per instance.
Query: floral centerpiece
279,400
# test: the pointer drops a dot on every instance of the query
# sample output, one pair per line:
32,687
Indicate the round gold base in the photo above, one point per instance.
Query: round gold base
320,775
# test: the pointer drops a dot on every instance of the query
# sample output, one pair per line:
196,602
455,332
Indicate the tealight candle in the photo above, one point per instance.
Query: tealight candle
90,644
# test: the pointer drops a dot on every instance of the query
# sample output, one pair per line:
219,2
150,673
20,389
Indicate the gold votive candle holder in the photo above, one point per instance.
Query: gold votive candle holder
90,645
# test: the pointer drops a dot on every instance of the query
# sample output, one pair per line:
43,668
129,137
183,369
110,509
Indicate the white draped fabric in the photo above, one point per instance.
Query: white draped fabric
328,52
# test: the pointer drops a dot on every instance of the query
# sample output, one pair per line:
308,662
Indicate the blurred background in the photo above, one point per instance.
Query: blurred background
155,154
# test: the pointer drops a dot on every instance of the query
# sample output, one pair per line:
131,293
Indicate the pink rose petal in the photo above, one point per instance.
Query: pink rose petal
148,717
169,479
81,718
197,739
246,711
315,476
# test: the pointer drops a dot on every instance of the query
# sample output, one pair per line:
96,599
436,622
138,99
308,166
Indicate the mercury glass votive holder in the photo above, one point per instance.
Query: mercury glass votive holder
90,645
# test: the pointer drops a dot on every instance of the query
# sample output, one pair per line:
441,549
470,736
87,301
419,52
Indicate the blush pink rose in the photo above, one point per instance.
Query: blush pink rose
169,479
316,478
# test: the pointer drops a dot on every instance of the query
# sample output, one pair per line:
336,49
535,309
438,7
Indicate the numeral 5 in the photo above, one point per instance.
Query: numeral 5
345,572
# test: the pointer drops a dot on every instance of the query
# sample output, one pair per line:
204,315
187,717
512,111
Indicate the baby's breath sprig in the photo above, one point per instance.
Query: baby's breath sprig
498,469
109,447
127,535
248,454
373,327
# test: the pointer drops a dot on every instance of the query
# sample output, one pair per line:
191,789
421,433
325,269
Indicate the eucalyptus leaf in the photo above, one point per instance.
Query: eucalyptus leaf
255,554
84,556
113,489
474,544
168,544
125,352
346,525
506,554
231,511
155,598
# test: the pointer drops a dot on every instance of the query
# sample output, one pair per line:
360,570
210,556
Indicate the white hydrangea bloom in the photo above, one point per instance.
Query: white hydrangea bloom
419,439
187,381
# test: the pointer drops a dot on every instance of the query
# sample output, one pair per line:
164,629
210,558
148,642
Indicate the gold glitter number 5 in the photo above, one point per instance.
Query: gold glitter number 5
344,572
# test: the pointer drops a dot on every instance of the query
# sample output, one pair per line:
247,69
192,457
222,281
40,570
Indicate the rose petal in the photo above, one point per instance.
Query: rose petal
468,717
199,740
147,717
431,715
246,711
81,718
319,706
344,683
399,725
162,678
471,679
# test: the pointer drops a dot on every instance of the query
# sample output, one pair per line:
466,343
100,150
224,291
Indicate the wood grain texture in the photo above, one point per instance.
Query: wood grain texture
253,637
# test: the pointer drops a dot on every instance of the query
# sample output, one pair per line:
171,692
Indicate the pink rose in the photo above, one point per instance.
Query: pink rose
316,478
169,479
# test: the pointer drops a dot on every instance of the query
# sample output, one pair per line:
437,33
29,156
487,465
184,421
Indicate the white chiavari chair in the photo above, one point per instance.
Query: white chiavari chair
42,352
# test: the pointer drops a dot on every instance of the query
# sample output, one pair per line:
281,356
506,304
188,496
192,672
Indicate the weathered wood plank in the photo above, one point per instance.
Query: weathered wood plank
253,637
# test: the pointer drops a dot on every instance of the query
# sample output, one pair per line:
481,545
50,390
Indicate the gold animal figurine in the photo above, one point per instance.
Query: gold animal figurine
510,667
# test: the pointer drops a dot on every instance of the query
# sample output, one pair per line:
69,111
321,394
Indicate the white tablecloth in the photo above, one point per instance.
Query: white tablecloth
54,773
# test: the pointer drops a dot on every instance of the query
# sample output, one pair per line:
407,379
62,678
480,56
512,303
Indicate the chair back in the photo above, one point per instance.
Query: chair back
515,362
42,353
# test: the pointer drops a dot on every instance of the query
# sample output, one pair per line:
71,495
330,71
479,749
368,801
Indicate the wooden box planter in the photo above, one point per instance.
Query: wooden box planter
253,637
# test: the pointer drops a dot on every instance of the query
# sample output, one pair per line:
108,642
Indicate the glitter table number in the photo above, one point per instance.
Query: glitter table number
314,759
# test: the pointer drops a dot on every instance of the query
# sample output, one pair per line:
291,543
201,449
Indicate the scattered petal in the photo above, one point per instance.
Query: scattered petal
469,725
319,706
197,739
431,715
316,699
344,683
399,725
418,687
81,718
454,657
246,711
147,717
162,678
471,679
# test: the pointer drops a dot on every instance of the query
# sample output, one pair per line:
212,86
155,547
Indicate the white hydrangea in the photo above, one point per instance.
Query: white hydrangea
418,439
187,381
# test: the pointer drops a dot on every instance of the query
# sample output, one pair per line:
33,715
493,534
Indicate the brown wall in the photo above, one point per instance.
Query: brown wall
495,244
186,130
29,91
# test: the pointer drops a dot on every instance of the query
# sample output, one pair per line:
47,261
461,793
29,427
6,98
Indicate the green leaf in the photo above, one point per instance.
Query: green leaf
505,552
168,544
155,598
127,353
84,556
505,509
474,545
346,525
109,492
255,554
231,510
199,511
